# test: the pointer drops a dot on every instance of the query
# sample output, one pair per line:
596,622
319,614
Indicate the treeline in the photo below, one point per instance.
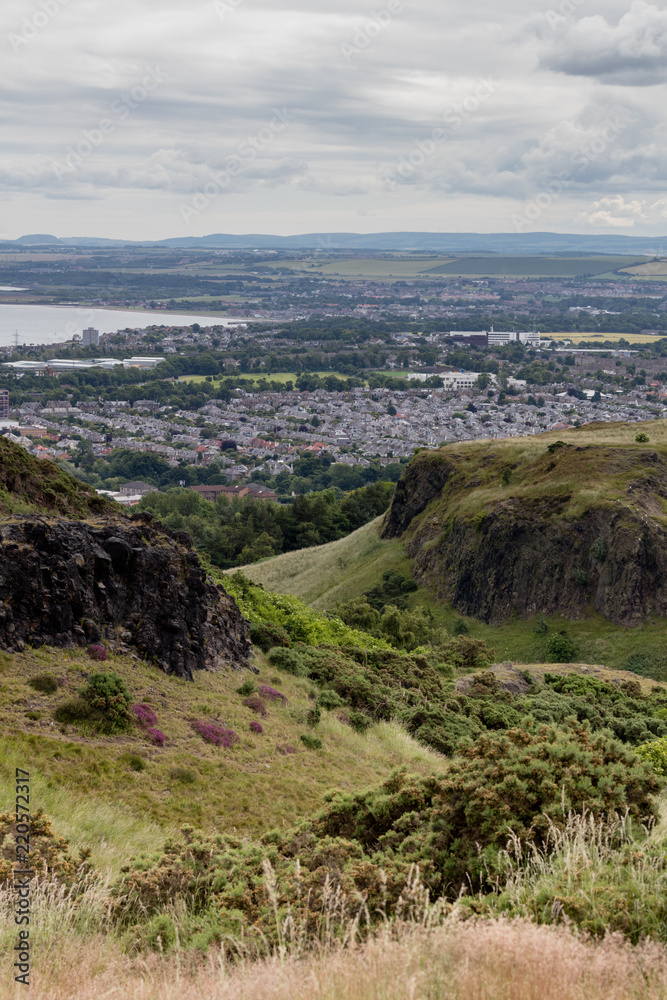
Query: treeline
241,530
310,473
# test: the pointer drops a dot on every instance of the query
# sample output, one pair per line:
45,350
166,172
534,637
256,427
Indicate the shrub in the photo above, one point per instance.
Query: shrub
256,704
290,661
49,855
44,683
97,652
214,732
270,694
156,736
104,702
311,742
561,648
599,550
314,716
266,636
256,727
247,688
133,761
642,438
454,826
144,714
459,627
359,722
330,700
655,755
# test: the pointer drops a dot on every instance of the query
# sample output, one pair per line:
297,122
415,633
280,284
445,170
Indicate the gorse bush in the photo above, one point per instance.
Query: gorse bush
520,784
302,623
266,636
49,856
655,755
104,703
560,647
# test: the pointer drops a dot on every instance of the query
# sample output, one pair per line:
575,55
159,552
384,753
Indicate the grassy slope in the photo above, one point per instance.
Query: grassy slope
344,569
87,786
29,485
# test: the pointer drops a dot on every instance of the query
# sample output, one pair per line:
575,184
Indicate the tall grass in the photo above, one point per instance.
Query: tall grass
478,960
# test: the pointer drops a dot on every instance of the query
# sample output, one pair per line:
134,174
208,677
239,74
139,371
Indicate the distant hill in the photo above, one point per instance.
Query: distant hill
457,243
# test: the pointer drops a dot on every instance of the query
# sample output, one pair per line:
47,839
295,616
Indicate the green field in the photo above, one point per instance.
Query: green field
613,338
538,266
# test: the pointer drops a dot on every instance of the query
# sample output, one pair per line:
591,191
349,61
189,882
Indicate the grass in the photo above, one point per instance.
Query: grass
363,268
87,783
476,960
256,376
543,266
345,569
338,571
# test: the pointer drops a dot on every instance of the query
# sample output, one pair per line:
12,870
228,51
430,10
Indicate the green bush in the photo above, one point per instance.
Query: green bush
311,742
330,700
246,689
642,438
104,702
454,827
265,636
561,648
655,755
44,683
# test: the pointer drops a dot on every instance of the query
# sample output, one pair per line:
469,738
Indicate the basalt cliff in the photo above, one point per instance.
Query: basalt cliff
519,527
75,569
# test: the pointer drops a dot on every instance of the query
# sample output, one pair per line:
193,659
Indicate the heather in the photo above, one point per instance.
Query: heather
365,848
216,733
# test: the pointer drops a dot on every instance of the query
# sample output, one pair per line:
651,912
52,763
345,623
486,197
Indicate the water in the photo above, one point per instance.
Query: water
55,324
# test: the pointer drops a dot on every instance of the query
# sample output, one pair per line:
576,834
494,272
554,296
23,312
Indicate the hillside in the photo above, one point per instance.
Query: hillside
30,485
122,794
561,523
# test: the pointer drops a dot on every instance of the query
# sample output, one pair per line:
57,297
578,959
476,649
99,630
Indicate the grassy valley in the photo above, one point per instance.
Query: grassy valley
382,768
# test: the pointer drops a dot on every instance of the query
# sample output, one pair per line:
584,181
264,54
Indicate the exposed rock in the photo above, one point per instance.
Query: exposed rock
544,536
64,582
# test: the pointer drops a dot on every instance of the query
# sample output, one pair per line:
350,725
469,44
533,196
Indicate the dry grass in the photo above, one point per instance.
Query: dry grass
481,960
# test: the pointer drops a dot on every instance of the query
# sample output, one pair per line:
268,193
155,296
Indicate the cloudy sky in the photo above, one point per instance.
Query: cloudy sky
143,120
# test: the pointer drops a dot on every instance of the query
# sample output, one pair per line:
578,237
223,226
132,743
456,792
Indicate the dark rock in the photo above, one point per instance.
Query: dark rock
67,578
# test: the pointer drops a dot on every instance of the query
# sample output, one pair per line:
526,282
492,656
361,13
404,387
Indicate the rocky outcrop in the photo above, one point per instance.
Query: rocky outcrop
129,581
564,531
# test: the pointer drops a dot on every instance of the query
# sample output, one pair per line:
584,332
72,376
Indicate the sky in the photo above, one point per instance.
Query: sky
144,120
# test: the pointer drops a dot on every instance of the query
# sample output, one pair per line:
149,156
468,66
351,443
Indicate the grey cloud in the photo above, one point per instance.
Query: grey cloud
631,52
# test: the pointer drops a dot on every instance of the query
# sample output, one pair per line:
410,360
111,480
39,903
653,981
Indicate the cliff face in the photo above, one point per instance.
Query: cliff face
517,529
128,580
